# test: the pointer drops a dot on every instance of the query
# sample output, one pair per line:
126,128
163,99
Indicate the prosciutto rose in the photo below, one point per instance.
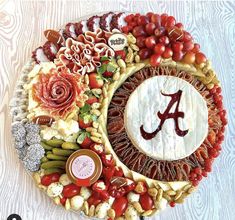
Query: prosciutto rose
58,92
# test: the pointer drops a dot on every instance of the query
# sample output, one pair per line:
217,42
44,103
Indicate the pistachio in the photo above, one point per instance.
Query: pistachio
121,63
104,90
86,78
96,134
134,47
97,91
95,124
131,39
91,129
137,58
96,140
96,112
116,76
95,105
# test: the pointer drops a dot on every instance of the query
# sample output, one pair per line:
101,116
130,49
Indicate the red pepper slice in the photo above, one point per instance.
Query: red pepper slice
99,186
108,160
116,192
118,171
108,173
130,185
98,148
94,199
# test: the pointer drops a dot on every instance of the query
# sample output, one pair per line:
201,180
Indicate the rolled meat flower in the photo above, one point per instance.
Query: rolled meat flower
58,92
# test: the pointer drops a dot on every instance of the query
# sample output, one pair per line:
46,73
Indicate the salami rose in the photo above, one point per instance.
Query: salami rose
58,92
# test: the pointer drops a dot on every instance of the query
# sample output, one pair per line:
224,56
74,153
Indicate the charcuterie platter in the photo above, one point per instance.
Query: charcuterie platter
119,115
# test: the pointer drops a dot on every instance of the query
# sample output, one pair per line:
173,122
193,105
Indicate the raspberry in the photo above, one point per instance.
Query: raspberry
172,204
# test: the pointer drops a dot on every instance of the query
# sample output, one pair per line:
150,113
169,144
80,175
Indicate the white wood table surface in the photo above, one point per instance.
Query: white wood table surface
212,24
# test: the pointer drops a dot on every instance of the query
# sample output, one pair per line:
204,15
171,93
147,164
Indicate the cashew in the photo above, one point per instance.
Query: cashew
131,213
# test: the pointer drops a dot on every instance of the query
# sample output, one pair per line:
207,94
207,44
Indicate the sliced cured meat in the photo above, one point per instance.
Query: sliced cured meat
93,23
135,160
117,21
105,21
50,50
39,56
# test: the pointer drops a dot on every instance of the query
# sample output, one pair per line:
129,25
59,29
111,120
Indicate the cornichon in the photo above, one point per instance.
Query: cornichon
55,142
54,170
56,157
49,152
44,159
46,146
70,146
53,164
62,152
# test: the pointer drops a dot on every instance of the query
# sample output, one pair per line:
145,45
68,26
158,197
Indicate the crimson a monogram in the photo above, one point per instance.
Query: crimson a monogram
175,98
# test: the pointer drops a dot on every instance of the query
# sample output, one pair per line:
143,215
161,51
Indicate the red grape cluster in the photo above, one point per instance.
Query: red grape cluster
159,36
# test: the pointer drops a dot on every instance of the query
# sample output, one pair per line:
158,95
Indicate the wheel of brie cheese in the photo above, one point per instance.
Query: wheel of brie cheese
119,115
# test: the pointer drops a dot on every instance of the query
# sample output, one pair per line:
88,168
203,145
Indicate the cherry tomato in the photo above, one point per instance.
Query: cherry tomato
146,201
107,74
149,28
82,124
159,48
71,190
145,53
87,142
95,81
167,53
91,100
46,180
120,206
155,60
200,58
94,199
150,42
